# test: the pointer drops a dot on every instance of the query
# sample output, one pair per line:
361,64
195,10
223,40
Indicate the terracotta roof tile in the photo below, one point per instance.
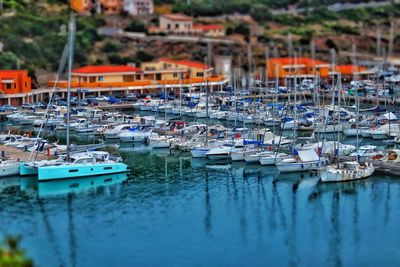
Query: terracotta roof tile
106,69
177,17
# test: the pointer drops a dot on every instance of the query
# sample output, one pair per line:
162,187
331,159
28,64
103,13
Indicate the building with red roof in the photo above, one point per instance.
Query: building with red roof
187,68
94,74
108,79
180,24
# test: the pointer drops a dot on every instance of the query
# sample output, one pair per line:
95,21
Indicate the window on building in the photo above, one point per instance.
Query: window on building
101,78
137,76
169,26
92,79
200,74
9,85
177,26
175,75
128,78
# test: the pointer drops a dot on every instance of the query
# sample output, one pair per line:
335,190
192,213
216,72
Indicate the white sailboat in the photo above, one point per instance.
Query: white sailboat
346,171
306,160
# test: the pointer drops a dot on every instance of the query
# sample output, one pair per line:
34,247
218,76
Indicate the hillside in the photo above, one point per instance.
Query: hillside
33,32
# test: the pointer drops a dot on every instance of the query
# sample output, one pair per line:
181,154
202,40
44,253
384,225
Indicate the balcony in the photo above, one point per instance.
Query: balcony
142,83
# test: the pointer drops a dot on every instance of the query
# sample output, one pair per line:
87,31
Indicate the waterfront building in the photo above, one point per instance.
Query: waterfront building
105,74
118,80
303,67
15,87
189,69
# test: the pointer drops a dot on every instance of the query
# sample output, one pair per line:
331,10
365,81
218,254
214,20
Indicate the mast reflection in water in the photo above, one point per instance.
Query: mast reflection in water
174,211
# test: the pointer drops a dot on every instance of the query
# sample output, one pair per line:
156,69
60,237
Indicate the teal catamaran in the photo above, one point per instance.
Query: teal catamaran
73,164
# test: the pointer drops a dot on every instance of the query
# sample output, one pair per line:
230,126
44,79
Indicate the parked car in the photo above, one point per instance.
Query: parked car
102,98
9,108
91,101
131,97
82,103
114,100
28,106
39,105
61,103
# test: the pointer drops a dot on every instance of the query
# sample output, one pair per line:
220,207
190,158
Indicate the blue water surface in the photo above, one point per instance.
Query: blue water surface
175,211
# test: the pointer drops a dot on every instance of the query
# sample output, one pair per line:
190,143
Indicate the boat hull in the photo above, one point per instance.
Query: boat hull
26,170
344,176
50,173
9,169
199,152
301,166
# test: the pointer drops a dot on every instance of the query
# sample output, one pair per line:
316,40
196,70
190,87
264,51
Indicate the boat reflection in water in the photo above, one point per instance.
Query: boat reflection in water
60,187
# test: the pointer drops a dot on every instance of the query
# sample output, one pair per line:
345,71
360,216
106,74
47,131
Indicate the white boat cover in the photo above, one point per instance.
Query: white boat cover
389,116
308,155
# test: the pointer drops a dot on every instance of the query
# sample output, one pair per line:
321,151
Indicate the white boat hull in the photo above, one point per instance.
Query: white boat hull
301,166
343,175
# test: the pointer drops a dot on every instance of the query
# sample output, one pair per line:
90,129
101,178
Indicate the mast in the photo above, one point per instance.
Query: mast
295,103
207,117
180,97
71,40
165,107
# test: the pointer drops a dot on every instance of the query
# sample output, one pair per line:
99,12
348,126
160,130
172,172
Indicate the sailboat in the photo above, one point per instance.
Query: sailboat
350,170
73,165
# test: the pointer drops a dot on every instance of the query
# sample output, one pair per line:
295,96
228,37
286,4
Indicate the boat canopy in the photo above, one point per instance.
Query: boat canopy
389,116
308,155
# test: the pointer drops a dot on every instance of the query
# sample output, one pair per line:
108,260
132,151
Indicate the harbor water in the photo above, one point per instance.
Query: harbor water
172,210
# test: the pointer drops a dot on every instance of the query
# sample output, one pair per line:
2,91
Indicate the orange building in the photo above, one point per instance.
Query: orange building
286,67
15,87
174,74
15,82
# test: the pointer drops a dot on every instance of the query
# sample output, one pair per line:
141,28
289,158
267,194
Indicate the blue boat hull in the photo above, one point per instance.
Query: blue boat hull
50,173
25,170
